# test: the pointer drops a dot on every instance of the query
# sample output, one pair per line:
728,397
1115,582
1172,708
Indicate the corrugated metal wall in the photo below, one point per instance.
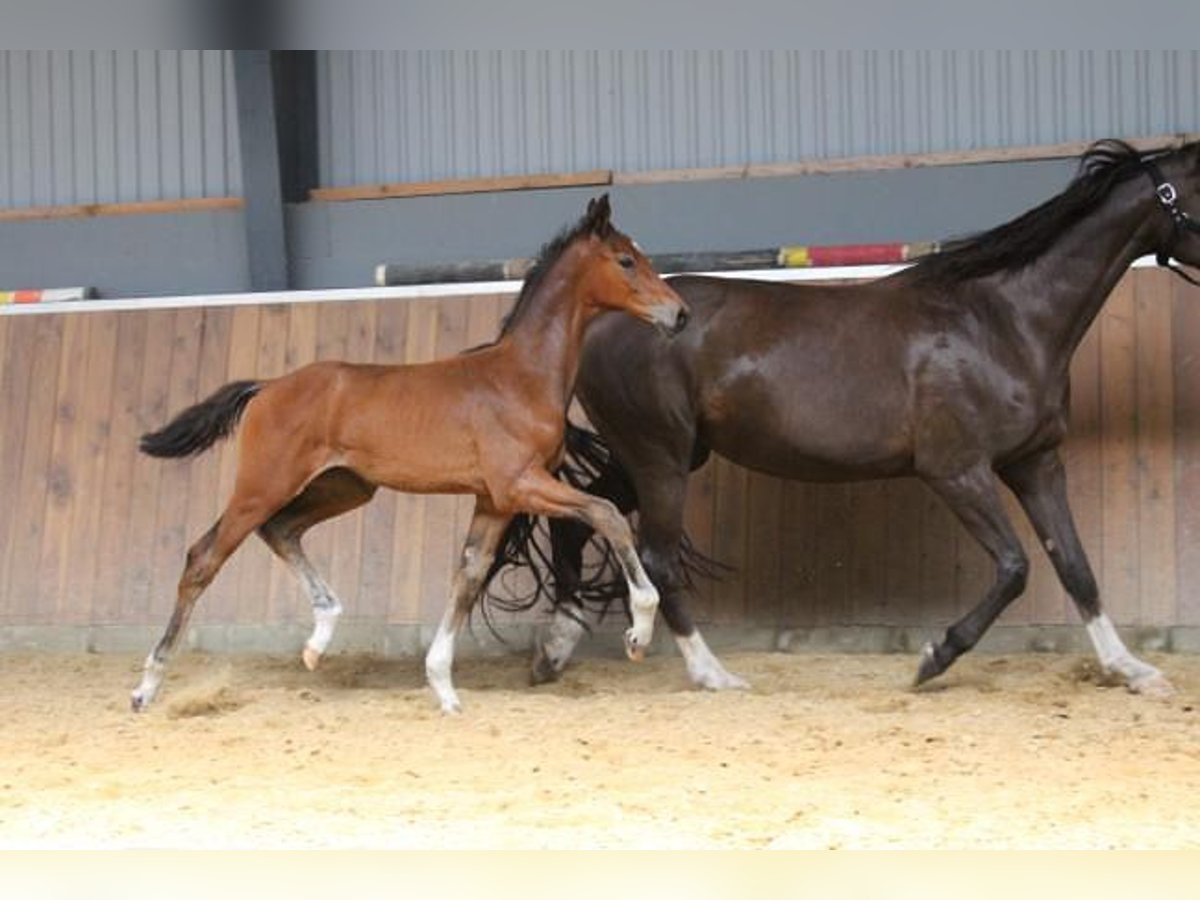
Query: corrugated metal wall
426,115
104,126
95,126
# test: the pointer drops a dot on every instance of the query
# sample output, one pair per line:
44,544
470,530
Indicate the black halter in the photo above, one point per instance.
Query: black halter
1168,198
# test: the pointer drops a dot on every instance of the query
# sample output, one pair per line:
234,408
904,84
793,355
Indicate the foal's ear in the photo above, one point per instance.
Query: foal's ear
598,216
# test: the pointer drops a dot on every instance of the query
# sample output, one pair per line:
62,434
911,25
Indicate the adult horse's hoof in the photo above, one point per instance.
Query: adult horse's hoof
542,669
929,667
138,703
1152,684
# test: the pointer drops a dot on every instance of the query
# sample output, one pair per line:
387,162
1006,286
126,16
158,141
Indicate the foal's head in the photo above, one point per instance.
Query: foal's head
614,274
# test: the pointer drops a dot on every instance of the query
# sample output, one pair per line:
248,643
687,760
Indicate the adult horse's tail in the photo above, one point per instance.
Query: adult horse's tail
199,427
552,554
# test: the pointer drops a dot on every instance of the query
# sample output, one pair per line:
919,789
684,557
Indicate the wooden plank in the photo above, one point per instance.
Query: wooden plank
1155,449
122,471
94,451
881,163
77,465
764,514
170,539
905,596
800,597
140,208
1118,427
461,186
30,499
139,599
730,530
1185,305
16,365
868,578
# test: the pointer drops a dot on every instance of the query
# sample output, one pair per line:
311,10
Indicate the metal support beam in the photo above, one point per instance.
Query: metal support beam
266,244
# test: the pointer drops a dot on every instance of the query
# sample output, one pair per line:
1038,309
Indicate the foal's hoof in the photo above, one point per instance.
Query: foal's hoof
634,648
137,702
311,657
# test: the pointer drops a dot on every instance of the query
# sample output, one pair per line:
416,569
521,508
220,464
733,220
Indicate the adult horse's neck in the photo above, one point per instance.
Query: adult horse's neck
1058,296
546,334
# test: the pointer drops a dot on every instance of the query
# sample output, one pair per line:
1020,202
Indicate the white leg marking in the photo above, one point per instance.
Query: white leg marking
1140,677
438,662
563,637
325,619
152,676
643,604
704,668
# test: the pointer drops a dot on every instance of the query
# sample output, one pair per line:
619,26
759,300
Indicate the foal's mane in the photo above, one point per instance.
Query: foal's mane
1018,243
595,220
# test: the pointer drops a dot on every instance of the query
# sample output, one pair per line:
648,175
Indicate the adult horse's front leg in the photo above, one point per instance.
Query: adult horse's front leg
1040,484
487,527
973,497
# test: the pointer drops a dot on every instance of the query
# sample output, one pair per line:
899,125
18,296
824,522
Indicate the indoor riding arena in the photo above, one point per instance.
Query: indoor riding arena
173,221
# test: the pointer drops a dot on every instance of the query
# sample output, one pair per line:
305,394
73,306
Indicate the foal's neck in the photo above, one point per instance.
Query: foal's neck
547,337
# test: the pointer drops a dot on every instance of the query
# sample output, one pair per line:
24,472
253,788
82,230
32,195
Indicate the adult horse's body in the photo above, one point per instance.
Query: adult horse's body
954,370
489,422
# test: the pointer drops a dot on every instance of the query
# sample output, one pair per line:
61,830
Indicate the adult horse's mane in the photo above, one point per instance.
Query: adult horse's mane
1019,242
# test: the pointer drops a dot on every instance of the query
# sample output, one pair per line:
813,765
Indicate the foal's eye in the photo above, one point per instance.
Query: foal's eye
626,261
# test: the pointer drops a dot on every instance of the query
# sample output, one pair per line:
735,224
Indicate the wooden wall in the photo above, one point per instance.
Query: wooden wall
93,533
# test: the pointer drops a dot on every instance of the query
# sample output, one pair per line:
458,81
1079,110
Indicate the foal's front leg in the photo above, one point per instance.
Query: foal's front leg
487,527
540,493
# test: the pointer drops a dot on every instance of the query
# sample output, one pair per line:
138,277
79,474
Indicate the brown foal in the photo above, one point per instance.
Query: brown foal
490,422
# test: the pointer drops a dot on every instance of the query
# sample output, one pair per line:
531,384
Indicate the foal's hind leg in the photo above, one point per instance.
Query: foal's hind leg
1041,486
487,527
330,494
204,560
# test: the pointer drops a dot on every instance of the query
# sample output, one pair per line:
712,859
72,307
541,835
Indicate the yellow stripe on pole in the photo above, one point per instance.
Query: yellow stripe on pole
6,297
794,257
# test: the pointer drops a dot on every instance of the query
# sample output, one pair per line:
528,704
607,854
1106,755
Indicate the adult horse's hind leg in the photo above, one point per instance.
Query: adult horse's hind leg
487,527
973,497
333,492
1040,485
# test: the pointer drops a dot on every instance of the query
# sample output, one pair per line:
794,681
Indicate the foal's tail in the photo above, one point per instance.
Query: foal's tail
199,427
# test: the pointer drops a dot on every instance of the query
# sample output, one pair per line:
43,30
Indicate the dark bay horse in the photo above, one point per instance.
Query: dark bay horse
490,422
954,370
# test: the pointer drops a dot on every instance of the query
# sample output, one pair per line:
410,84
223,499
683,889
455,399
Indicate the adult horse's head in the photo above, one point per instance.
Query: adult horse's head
1176,178
618,275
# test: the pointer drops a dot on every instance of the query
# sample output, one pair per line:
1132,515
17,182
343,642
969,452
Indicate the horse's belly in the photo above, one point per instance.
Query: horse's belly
813,457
